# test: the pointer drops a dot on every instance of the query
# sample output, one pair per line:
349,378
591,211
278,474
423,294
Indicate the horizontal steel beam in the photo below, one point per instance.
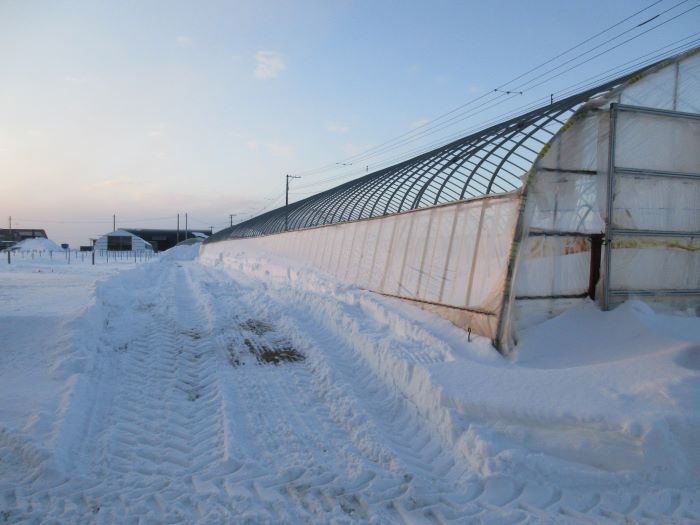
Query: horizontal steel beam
561,296
652,233
574,172
656,173
656,292
443,305
655,111
554,233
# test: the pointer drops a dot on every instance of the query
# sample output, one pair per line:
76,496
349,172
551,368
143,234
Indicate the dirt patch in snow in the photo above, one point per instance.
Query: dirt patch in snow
234,356
275,355
266,352
256,326
192,334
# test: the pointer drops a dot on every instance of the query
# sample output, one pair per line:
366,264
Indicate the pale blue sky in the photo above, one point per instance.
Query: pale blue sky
146,109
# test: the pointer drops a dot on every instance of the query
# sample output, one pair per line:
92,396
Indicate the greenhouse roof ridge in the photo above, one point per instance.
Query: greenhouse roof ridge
490,161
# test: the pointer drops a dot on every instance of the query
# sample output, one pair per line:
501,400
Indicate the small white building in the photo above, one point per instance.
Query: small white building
122,241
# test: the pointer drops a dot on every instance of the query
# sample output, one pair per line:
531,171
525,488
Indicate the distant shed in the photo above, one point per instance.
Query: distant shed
122,241
9,237
161,240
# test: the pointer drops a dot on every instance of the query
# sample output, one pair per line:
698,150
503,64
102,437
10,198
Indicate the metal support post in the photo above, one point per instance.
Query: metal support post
609,212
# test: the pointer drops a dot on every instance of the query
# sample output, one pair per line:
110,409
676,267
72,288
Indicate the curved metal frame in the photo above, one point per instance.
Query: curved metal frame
479,164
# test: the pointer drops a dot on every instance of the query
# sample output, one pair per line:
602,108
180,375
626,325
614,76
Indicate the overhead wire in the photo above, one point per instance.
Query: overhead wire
589,82
485,95
427,129
507,96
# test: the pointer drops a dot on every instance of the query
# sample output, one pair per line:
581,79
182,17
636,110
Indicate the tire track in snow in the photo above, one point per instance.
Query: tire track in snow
321,308
412,473
177,434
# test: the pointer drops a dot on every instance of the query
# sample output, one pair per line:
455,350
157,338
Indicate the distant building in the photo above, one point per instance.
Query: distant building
10,237
162,240
122,241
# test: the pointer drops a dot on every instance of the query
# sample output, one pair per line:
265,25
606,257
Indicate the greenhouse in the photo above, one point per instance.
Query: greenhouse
592,197
122,241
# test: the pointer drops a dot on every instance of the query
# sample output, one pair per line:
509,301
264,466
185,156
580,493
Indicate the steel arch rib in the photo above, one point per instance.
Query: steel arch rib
487,161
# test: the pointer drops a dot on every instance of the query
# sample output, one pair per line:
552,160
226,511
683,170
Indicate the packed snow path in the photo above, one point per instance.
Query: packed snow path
210,399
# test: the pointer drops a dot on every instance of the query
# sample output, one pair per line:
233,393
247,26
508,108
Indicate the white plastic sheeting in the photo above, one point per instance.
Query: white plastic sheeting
655,200
462,259
643,202
657,142
566,203
655,263
554,265
451,259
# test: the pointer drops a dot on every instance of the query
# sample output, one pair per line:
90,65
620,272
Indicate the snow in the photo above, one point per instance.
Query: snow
39,244
141,392
182,252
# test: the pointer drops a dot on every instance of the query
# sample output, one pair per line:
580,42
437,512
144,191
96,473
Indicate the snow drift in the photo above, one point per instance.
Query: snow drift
607,396
38,244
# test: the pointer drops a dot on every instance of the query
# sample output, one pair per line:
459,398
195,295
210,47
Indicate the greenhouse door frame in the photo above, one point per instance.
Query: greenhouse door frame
611,233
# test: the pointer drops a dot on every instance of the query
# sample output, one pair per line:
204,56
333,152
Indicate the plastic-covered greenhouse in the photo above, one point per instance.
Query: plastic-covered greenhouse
596,196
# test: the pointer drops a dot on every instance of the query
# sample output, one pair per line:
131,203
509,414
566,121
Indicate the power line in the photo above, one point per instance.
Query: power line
492,104
590,82
589,39
427,129
607,50
95,221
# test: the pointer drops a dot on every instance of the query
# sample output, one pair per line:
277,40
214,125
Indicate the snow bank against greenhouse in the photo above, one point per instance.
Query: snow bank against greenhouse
181,252
609,397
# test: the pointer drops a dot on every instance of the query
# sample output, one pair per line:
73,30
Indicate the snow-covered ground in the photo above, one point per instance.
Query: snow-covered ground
236,389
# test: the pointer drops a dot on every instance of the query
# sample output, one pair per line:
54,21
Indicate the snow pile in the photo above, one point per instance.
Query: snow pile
603,396
181,252
143,397
38,244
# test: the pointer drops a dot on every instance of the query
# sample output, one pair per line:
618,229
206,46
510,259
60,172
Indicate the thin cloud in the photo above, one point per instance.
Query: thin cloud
74,79
269,65
352,149
335,127
418,123
184,41
278,149
118,182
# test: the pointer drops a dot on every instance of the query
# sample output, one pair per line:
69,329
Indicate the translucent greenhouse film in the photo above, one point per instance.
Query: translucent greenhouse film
594,197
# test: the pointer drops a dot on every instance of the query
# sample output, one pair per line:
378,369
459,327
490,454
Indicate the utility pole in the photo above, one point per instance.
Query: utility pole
178,229
286,201
114,222
185,226
231,217
8,248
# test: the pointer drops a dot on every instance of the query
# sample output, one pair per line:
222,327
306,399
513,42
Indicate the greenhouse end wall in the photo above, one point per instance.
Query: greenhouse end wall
612,206
450,259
